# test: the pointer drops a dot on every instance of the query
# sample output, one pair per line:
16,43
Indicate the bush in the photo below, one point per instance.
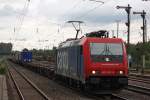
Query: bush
2,67
2,70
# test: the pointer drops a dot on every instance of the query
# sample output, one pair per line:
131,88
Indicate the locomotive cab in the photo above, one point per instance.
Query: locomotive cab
106,63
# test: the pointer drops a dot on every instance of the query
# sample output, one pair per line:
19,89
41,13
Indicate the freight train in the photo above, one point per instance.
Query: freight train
24,56
93,62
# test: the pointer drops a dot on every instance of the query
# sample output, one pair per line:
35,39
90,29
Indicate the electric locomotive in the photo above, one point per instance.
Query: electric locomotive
94,61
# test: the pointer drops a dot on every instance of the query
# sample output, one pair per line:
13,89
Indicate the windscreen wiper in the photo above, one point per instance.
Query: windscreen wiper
104,51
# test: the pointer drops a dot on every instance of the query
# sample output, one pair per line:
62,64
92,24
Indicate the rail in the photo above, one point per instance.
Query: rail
139,89
29,81
118,97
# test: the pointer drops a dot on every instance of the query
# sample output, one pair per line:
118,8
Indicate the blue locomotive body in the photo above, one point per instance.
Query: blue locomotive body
25,56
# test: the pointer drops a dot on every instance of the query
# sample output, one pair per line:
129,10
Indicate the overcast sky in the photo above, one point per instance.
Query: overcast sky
42,23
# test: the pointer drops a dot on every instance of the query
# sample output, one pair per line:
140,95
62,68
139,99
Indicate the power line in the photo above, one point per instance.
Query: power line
72,8
22,16
79,3
91,10
86,13
97,1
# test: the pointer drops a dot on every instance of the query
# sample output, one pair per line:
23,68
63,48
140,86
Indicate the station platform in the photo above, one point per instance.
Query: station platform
3,88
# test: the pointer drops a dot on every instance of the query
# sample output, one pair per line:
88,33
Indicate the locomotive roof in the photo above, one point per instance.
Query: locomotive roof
109,40
81,41
70,43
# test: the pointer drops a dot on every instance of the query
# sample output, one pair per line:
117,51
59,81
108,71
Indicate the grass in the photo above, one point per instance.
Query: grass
2,66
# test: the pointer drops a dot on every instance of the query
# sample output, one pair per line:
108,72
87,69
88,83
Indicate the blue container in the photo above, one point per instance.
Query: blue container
26,56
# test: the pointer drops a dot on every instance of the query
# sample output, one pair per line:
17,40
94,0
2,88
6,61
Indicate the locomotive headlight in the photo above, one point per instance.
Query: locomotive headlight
93,72
121,72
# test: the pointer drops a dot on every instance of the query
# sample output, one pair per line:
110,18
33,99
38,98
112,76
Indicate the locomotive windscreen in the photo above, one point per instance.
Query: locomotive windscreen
106,52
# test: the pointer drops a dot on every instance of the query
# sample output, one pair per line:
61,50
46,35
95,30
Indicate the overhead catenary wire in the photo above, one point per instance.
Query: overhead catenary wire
97,1
76,5
22,16
92,9
62,25
73,7
89,11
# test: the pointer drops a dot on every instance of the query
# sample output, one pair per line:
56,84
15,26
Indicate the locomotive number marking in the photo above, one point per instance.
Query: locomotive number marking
62,60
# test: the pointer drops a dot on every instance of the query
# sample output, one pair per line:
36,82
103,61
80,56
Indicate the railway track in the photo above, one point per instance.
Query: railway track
133,92
118,97
92,96
26,89
138,89
139,76
48,89
147,81
110,97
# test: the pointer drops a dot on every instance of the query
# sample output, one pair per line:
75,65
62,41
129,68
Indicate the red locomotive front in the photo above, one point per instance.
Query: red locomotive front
105,62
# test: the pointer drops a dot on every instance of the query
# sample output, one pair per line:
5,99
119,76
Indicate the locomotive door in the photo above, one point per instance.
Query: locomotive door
74,61
79,61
